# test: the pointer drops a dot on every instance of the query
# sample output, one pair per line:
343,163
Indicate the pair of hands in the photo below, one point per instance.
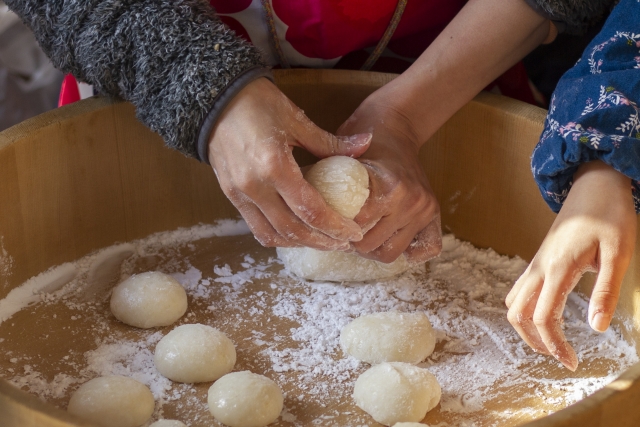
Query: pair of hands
594,231
251,153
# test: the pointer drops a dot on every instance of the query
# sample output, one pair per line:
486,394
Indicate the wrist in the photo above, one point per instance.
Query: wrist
221,104
597,184
601,174
380,115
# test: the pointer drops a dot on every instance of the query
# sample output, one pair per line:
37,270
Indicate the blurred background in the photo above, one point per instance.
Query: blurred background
29,84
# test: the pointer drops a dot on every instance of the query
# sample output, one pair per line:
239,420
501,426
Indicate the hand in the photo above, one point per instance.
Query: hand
594,231
401,213
250,150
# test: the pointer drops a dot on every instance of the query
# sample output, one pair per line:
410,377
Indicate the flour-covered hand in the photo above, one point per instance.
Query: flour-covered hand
250,150
401,214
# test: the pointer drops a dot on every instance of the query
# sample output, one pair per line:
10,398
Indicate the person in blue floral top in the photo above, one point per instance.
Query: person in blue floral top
587,166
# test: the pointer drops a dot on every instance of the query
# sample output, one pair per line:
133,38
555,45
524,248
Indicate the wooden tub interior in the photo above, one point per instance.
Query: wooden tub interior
89,175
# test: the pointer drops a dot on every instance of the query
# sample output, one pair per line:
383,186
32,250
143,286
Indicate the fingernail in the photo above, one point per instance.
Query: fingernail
360,139
571,365
344,247
600,322
567,357
357,237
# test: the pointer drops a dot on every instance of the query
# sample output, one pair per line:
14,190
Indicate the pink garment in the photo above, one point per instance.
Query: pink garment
342,33
334,33
69,92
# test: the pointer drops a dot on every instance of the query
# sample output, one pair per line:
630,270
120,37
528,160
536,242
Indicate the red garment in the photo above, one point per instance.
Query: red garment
337,31
69,92
335,34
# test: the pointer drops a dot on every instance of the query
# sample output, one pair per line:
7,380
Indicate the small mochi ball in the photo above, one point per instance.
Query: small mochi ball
396,392
194,353
389,337
245,399
343,182
113,401
168,423
148,300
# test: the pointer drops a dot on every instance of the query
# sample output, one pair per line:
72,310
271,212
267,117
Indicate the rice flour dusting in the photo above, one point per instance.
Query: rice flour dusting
289,329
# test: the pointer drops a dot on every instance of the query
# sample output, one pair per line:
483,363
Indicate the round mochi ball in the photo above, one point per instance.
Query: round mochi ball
194,353
168,423
113,401
149,300
389,337
245,399
343,182
397,392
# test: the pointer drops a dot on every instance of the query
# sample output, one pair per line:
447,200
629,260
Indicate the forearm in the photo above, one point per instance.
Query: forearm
485,39
169,58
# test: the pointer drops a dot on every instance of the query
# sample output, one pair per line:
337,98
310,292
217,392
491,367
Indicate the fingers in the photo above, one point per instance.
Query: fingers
427,244
520,313
535,310
261,228
419,236
278,226
547,316
418,245
606,290
308,205
515,290
394,246
274,223
323,144
294,229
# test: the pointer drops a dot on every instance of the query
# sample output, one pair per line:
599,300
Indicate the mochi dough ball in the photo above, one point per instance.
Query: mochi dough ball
397,392
149,300
389,337
168,423
245,399
113,401
194,353
344,184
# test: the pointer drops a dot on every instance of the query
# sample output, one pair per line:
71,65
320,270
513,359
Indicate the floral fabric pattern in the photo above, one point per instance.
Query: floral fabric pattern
594,112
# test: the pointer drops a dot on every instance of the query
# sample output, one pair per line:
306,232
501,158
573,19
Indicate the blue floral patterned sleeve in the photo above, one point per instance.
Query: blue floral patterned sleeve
594,112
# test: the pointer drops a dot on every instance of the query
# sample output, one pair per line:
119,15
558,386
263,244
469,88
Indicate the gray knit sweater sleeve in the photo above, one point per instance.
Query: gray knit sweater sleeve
572,16
170,58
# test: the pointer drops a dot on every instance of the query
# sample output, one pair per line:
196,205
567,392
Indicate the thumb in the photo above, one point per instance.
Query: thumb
606,291
323,144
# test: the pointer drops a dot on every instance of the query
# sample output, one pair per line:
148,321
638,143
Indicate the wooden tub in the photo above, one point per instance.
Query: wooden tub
88,175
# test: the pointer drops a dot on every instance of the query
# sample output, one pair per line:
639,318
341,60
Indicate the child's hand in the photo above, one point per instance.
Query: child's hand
594,231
